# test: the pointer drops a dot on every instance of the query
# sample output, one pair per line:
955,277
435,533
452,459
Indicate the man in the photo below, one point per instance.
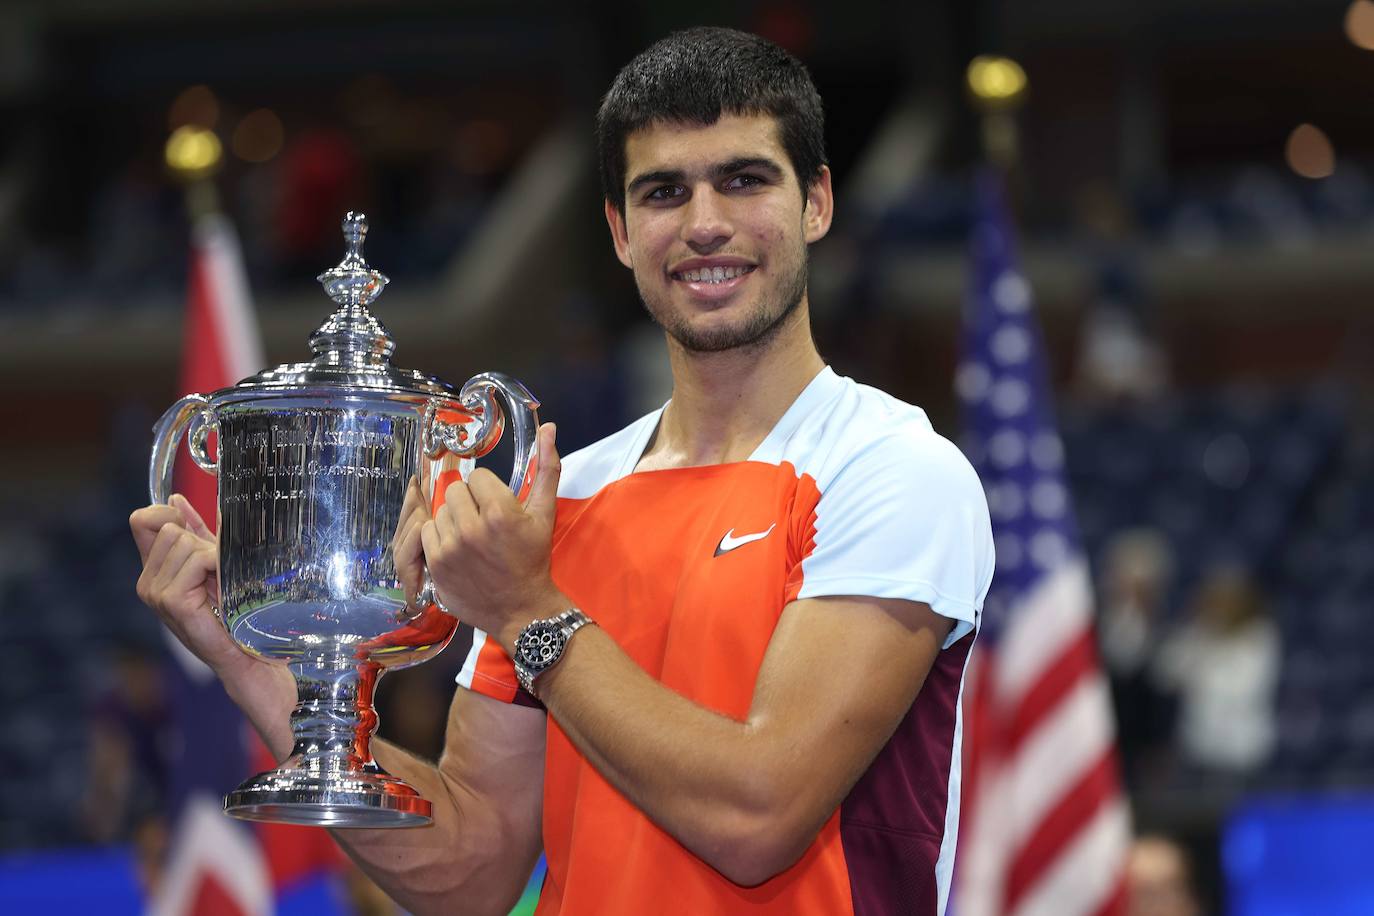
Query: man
781,571
1159,879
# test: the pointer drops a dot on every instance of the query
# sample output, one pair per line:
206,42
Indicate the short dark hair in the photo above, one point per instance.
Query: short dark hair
696,75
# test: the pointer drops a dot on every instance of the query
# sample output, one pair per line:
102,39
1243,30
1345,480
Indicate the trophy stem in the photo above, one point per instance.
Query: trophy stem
330,779
334,718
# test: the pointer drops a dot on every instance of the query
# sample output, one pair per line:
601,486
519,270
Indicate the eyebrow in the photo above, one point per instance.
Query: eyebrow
717,171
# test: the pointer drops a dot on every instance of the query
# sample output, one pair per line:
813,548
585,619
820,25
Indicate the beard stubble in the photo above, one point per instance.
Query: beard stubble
759,327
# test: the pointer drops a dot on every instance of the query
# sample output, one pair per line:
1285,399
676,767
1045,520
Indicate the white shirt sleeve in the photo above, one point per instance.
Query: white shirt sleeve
904,517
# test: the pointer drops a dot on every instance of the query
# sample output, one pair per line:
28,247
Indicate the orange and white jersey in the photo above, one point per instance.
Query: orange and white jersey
689,569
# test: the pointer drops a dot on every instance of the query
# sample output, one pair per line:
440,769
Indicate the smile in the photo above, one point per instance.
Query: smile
712,274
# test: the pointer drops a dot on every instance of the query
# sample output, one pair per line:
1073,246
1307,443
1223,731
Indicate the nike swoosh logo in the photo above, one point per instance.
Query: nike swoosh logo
730,542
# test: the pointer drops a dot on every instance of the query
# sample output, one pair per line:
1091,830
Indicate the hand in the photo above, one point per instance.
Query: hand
179,580
489,555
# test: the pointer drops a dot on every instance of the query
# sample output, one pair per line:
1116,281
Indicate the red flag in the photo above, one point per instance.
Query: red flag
221,344
1045,827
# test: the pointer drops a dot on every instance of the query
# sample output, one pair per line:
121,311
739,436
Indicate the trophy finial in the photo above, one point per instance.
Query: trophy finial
353,285
352,282
355,233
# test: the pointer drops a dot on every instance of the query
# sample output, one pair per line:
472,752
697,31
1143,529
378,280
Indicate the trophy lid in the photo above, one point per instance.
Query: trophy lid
352,348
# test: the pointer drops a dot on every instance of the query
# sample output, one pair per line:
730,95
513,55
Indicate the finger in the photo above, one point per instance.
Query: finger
169,553
145,524
413,513
167,536
152,562
458,502
430,541
197,571
414,498
194,523
543,501
488,491
176,558
408,551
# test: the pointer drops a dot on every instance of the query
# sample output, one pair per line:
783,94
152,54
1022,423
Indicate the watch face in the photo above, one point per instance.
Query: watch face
540,645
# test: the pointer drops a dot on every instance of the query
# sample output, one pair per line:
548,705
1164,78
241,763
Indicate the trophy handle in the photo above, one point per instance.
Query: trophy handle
193,412
517,407
479,399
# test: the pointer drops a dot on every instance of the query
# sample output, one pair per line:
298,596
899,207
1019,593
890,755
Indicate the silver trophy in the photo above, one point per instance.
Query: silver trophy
313,462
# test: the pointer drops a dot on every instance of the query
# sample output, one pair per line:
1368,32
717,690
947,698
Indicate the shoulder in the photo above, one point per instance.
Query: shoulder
900,512
588,469
860,430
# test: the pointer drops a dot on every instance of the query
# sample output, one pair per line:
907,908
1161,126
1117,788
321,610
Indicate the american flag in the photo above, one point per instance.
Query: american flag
1045,825
217,866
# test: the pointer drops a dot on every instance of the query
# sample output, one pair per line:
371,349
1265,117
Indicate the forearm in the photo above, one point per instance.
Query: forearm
717,785
454,864
748,797
265,693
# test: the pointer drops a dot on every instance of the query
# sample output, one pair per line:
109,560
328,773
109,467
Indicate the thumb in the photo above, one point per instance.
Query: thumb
194,523
543,501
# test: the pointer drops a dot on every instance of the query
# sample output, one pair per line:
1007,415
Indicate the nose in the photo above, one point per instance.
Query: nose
706,223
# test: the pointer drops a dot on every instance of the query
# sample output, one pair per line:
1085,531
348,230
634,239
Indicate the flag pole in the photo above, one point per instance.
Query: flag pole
194,156
1045,824
997,89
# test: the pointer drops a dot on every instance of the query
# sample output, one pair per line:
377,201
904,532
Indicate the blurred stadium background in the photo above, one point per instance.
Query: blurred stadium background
1193,190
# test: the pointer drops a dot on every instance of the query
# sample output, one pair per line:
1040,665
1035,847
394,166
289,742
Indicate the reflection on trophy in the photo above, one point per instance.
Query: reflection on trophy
313,462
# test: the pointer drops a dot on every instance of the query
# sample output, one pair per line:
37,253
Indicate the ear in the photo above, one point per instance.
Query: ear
820,207
620,237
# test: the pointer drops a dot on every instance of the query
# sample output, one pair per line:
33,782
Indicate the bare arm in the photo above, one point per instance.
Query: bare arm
749,797
486,790
487,793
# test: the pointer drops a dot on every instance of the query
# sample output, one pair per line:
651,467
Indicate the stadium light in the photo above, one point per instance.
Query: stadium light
193,152
1359,24
996,82
258,137
1309,152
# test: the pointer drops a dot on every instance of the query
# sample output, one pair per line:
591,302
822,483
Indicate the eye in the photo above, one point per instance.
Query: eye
664,192
743,182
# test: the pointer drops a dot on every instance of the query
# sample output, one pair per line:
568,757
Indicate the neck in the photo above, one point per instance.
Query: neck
724,404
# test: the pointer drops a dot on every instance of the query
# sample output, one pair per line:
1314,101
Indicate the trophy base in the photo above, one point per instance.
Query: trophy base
367,798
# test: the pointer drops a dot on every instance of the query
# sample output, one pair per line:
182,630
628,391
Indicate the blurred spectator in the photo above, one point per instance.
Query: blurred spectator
1159,880
321,177
1137,572
1118,358
1224,665
150,844
127,758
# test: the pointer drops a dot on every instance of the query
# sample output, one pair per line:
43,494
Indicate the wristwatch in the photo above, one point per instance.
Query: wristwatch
540,645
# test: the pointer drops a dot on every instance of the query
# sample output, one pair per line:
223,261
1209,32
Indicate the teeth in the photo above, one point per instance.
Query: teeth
713,274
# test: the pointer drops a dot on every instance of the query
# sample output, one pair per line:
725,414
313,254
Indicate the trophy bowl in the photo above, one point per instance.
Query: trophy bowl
313,462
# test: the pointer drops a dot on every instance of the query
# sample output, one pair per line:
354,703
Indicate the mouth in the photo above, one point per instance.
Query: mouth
713,282
712,275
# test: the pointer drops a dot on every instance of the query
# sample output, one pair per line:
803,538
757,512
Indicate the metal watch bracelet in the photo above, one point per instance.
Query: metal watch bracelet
541,644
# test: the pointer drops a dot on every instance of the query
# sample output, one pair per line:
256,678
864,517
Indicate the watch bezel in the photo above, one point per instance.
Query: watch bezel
561,629
534,631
